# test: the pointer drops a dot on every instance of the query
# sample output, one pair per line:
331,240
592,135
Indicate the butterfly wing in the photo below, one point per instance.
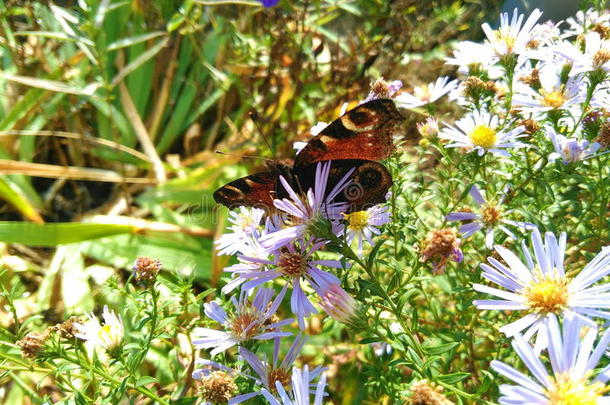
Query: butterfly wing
370,182
255,190
364,132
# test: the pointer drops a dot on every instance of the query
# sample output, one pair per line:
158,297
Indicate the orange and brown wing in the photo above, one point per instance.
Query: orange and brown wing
255,190
365,132
370,182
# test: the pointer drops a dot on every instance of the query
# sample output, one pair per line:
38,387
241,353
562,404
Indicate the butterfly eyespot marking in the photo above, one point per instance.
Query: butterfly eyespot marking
356,140
361,117
370,177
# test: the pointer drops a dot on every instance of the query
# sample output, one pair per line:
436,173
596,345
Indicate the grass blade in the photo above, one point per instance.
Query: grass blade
55,234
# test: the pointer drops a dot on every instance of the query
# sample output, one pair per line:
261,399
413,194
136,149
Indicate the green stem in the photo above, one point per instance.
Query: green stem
117,382
347,251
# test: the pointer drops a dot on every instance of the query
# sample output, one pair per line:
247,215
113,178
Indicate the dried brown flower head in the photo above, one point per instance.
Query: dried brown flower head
146,269
32,343
380,88
602,30
67,329
424,392
218,387
439,246
474,87
533,79
604,135
530,126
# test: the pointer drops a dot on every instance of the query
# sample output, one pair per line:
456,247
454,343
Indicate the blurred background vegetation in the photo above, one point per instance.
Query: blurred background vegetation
111,112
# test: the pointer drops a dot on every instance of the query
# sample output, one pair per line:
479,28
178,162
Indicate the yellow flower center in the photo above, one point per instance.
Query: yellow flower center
554,99
356,221
483,136
491,214
567,391
503,35
547,293
109,336
422,93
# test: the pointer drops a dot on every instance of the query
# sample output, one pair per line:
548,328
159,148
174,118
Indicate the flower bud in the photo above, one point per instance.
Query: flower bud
338,303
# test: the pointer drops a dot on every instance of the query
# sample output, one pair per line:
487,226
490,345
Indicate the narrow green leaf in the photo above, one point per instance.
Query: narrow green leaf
18,201
439,349
52,85
127,42
140,60
57,233
453,378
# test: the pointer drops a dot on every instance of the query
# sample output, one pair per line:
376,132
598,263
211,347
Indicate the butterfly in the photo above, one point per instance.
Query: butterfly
355,141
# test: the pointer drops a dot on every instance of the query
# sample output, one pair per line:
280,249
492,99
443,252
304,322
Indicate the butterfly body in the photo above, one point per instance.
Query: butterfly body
353,141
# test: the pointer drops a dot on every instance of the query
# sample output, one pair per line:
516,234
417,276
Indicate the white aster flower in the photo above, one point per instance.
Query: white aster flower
425,94
362,225
428,128
573,360
107,336
595,56
544,34
552,94
513,36
571,150
472,57
480,132
245,223
542,288
583,21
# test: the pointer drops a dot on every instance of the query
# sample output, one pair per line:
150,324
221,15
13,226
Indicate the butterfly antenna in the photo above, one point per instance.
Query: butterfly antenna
254,117
244,156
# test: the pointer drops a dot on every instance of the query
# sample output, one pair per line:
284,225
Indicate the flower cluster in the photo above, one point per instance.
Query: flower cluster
284,247
532,86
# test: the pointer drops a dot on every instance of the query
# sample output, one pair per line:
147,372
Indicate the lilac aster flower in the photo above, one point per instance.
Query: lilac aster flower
269,3
266,373
304,211
490,217
300,390
337,303
274,372
542,288
571,150
295,263
573,360
249,320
